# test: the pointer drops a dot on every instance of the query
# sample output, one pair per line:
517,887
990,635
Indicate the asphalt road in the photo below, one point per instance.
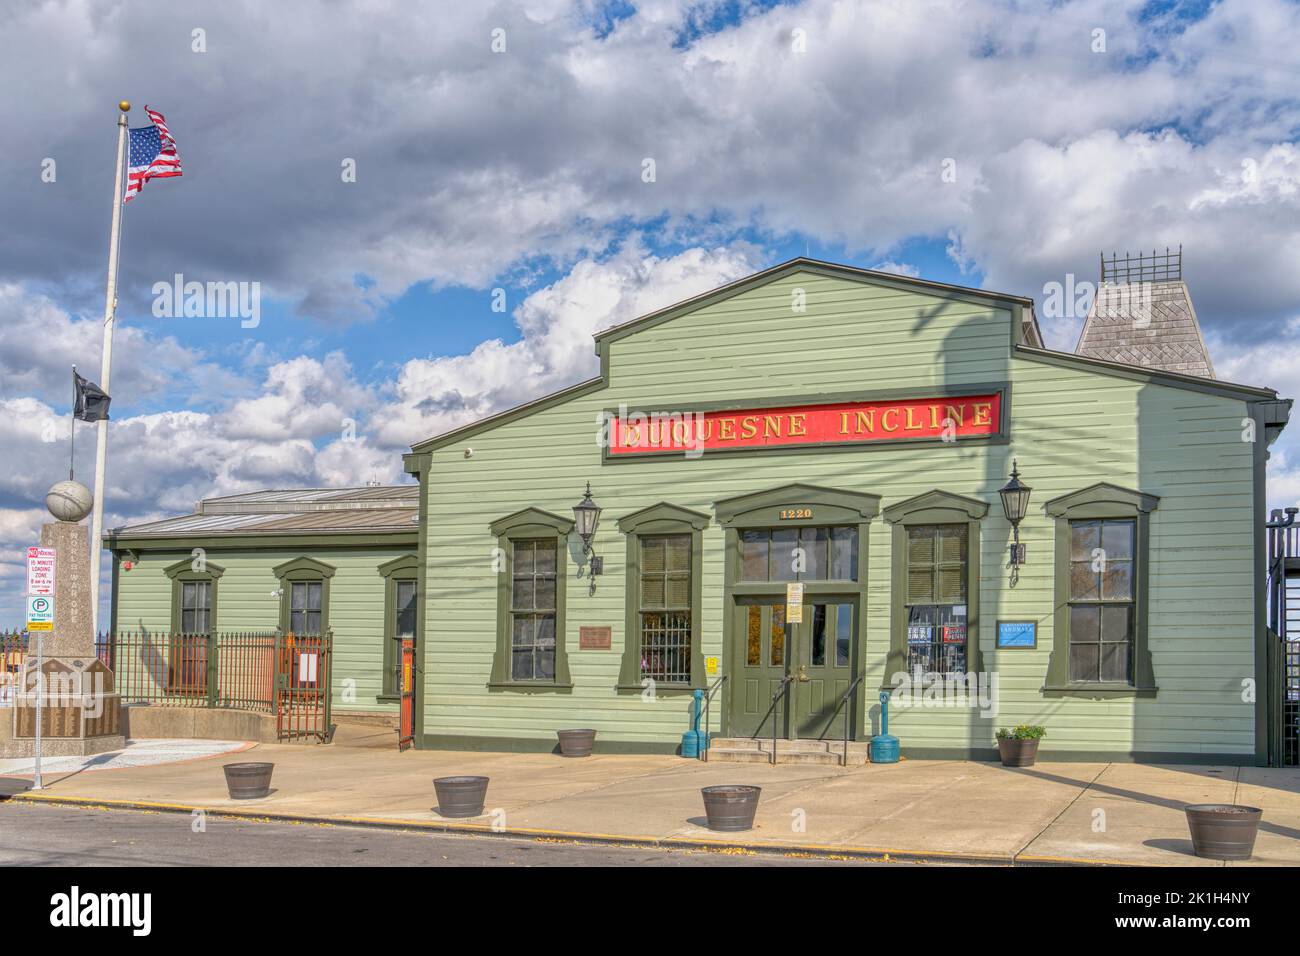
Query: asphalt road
44,835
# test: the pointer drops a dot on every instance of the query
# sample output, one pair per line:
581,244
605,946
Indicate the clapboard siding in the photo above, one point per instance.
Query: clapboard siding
1068,429
245,602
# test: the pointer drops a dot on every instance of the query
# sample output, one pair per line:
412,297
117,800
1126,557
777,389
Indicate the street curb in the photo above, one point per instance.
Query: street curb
874,854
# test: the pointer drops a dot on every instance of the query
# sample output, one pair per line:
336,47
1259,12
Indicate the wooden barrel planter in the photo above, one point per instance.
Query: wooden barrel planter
1017,753
576,743
460,796
1223,831
731,808
249,780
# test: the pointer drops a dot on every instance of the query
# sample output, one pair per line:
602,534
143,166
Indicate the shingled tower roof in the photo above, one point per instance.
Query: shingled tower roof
1143,315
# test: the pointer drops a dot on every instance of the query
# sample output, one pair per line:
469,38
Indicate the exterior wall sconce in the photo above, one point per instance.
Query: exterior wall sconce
1015,504
586,515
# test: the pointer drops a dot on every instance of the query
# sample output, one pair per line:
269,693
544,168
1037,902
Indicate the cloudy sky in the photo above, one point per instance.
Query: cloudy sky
502,146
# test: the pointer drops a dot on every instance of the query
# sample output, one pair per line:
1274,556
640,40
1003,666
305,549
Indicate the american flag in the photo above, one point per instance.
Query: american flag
153,154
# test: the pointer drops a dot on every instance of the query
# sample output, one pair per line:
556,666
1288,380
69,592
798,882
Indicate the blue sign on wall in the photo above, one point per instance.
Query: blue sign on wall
1012,634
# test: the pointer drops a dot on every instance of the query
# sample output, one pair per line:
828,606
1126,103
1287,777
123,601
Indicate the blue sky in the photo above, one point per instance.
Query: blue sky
504,146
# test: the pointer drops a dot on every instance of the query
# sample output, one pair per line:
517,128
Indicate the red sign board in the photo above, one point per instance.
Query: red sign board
945,418
40,571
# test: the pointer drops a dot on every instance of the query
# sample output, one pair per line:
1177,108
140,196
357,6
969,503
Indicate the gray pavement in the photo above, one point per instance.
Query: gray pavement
52,835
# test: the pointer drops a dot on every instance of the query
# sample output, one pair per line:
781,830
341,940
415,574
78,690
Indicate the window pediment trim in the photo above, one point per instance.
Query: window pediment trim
838,505
662,516
936,507
1102,500
405,562
528,521
303,565
185,568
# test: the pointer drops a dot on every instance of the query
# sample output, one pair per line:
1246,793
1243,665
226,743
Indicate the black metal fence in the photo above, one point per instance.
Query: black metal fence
1156,267
1284,639
213,670
14,648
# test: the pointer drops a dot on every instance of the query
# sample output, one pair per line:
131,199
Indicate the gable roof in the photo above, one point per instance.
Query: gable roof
1029,331
391,508
1148,324
833,270
1028,344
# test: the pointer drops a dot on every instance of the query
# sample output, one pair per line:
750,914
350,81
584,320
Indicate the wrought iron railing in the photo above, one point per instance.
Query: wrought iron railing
13,651
1283,690
225,669
14,647
1156,267
845,698
781,692
704,718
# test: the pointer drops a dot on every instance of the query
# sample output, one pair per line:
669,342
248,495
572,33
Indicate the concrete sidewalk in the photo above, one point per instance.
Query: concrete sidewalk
936,810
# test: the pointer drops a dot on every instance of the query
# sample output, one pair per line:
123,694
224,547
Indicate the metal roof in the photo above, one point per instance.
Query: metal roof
292,511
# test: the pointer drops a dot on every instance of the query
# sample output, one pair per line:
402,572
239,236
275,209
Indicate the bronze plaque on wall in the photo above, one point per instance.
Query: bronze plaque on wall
594,638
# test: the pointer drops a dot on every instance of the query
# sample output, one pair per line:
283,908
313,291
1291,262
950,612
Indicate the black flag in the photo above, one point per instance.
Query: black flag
92,401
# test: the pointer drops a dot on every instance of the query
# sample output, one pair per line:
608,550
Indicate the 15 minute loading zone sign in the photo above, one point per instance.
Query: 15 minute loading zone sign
40,589
40,571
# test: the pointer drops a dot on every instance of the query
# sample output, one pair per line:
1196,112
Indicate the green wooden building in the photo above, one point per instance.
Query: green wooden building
799,479
310,561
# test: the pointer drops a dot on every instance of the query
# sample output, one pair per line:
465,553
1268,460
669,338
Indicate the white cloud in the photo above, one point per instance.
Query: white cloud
472,162
473,166
302,398
40,342
556,349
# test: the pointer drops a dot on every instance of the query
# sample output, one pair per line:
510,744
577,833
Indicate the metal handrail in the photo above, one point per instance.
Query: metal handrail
781,691
704,719
848,718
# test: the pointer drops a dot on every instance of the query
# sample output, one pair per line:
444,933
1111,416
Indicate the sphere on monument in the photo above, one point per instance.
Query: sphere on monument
69,500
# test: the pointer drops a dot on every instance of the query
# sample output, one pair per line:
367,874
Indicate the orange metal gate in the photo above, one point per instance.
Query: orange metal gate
302,688
406,730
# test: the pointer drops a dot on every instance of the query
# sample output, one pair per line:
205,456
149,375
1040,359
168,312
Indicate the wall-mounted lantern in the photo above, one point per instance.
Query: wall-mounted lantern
1015,504
586,515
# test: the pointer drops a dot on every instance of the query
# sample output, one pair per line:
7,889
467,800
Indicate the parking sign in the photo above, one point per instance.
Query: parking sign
40,571
40,613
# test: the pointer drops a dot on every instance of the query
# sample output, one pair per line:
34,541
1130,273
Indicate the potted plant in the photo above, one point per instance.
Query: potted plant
461,796
248,780
576,743
731,808
1223,831
1018,747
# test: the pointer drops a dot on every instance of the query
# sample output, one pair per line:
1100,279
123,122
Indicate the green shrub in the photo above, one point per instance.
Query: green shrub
1023,732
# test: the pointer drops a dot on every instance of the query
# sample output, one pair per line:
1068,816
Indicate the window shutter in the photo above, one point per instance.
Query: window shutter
920,586
951,544
679,552
679,591
920,546
652,556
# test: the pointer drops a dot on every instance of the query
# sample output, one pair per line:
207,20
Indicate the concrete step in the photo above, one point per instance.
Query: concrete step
814,752
738,755
815,746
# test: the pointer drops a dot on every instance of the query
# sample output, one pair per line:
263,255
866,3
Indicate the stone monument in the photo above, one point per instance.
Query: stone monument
80,713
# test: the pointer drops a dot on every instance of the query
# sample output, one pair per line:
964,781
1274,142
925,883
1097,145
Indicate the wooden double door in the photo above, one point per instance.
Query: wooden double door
818,654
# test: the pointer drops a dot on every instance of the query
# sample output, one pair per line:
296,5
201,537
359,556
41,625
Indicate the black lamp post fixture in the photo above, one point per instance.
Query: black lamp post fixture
586,515
1015,503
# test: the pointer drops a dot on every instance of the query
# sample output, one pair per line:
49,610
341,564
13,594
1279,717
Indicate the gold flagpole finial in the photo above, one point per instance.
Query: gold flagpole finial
124,106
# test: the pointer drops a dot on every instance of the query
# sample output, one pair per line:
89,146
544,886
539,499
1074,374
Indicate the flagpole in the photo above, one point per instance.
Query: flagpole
72,431
110,313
